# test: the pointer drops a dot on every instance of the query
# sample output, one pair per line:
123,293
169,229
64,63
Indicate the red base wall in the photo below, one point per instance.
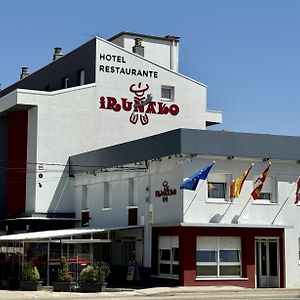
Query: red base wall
187,252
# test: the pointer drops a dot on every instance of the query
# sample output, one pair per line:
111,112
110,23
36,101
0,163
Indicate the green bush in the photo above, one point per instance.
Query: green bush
30,272
88,274
102,270
97,272
63,271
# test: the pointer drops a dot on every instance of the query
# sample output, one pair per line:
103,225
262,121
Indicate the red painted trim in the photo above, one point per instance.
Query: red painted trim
187,252
16,163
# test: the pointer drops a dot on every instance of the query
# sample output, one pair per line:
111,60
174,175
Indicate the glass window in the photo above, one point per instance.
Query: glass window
217,190
165,254
107,201
80,77
218,257
167,93
229,256
168,256
65,82
206,256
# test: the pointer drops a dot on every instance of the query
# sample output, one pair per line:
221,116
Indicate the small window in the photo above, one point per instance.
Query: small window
81,77
107,195
167,93
217,187
84,204
268,192
217,190
65,82
131,192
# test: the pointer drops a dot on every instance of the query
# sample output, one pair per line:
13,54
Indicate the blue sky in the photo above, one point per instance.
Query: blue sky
246,51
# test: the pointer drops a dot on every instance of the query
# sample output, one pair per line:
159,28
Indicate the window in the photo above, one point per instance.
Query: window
268,192
217,187
131,192
217,190
107,195
65,82
81,77
84,204
168,257
218,257
167,93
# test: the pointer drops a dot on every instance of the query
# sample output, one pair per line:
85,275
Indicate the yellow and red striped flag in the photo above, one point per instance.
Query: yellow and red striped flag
259,182
237,185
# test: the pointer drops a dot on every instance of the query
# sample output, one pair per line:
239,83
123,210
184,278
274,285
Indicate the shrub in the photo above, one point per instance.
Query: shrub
88,274
30,272
97,272
63,271
102,270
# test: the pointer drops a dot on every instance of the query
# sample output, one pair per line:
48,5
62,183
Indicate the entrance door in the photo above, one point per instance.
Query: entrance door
267,262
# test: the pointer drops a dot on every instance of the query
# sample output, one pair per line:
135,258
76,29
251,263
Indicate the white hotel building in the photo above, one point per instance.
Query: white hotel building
99,141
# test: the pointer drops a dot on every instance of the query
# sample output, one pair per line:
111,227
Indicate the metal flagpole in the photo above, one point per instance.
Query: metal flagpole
197,191
236,218
284,203
225,211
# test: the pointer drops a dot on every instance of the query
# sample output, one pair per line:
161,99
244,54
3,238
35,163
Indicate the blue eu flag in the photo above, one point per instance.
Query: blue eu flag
192,182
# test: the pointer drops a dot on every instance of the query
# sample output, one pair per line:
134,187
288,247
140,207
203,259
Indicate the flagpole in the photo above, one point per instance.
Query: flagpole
286,200
194,197
225,211
238,216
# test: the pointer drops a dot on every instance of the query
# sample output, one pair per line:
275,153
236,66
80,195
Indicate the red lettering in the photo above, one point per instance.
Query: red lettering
127,106
151,108
111,102
102,102
162,108
174,109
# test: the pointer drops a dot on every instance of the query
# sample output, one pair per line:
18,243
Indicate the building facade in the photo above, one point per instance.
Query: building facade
94,141
200,237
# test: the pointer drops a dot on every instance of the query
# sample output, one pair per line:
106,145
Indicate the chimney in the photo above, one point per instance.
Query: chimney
57,53
138,48
24,72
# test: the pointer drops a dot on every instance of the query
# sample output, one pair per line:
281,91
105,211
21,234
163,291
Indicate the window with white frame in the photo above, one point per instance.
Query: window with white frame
268,192
65,82
131,192
217,187
84,195
107,195
80,77
168,260
218,257
167,93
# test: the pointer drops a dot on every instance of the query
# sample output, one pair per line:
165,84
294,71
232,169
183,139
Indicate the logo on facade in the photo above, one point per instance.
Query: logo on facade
165,192
141,106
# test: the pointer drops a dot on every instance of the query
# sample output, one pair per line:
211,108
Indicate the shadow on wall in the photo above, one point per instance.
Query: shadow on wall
63,201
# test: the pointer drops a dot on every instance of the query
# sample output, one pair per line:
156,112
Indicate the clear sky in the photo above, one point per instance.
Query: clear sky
246,51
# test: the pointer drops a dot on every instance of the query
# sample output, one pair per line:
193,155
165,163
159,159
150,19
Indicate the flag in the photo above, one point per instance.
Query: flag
259,182
192,182
297,191
237,185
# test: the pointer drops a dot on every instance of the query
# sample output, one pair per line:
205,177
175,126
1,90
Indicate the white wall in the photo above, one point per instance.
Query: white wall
157,50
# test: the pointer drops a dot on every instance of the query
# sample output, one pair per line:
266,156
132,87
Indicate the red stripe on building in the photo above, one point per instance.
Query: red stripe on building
16,163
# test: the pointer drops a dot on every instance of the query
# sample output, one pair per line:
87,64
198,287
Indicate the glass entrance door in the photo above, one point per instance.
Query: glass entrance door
267,262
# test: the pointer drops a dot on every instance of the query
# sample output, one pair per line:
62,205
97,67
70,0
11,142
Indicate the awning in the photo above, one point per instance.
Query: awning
57,234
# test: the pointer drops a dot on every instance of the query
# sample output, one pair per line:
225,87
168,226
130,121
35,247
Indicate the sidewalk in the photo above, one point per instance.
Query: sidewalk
211,292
